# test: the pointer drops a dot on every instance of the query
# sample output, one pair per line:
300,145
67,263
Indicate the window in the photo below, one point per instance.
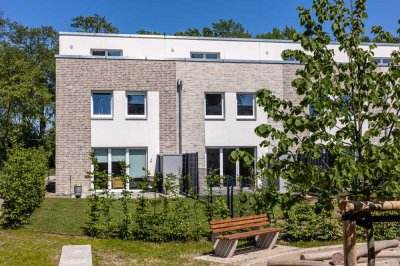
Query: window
106,52
218,159
214,105
137,166
245,105
136,105
109,162
382,61
102,162
102,104
203,55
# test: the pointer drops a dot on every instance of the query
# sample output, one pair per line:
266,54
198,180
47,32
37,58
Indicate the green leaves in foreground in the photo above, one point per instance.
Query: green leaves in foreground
348,110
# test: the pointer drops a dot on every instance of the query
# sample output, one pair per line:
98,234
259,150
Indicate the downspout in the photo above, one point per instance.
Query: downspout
179,86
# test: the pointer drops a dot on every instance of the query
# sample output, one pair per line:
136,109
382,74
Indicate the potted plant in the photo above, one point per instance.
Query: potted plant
78,190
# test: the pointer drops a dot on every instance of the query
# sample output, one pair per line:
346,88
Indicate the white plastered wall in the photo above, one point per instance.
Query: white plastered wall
121,132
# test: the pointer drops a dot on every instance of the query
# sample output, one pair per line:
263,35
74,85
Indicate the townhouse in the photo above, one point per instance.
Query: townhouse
143,98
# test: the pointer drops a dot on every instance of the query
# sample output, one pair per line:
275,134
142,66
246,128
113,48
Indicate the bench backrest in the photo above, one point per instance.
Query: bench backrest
238,223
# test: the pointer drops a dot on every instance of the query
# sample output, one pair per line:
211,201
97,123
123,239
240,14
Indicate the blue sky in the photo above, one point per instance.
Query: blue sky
170,16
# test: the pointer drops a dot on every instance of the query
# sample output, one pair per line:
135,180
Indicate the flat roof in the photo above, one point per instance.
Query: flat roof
117,35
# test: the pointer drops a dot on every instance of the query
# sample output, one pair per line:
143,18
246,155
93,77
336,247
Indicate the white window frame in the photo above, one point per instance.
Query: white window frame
246,117
109,166
106,52
128,116
237,163
215,117
205,55
380,63
102,116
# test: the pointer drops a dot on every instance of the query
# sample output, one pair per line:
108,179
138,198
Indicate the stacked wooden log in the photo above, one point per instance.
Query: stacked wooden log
388,253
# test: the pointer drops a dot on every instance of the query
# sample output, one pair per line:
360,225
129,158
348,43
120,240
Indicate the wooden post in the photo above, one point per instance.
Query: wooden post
349,240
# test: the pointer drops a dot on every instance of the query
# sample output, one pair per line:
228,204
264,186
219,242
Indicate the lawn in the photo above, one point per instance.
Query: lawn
59,222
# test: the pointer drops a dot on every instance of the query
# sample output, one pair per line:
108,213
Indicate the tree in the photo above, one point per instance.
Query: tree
189,32
27,84
229,29
277,34
95,24
356,114
146,32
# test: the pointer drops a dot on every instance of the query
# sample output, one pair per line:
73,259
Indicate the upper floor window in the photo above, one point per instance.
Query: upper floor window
136,102
382,61
202,55
106,52
102,104
214,105
246,104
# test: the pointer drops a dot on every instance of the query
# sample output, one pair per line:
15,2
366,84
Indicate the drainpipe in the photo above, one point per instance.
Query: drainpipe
179,86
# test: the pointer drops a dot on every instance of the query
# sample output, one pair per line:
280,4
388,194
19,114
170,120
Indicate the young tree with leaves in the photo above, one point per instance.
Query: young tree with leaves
356,114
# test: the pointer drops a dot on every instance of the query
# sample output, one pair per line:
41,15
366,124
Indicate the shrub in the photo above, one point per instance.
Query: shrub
22,185
303,224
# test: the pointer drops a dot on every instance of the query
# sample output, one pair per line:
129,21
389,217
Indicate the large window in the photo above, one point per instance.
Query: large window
102,162
204,56
109,162
218,160
214,105
245,105
102,104
136,105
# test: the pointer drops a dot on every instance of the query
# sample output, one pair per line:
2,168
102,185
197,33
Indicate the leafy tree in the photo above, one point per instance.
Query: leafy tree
356,114
146,32
27,84
95,24
207,32
189,32
229,29
285,34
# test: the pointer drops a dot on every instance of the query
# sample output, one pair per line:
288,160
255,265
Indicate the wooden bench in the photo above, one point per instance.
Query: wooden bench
225,245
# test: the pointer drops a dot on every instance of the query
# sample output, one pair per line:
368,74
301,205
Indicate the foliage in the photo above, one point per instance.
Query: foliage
286,34
356,113
27,82
95,24
302,224
146,32
22,185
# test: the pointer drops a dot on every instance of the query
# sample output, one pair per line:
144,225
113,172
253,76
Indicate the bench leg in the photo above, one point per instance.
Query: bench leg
225,248
267,240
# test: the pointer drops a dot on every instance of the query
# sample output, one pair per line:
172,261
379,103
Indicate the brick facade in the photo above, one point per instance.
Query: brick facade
76,78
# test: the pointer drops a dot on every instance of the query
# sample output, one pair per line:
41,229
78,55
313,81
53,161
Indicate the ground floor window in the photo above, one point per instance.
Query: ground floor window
109,160
218,160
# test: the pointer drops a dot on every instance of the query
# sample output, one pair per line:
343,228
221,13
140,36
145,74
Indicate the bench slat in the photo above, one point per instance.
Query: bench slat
238,227
249,234
238,219
242,222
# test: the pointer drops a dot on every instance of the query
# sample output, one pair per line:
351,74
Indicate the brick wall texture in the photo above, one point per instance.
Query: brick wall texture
76,78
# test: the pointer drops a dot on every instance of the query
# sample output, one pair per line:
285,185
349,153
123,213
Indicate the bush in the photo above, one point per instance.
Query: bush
302,224
22,185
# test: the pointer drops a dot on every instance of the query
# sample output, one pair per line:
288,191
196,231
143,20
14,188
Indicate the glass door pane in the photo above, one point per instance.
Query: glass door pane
229,167
137,166
247,172
117,155
101,181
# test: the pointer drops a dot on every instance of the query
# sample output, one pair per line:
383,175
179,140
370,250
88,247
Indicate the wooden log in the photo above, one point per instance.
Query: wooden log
349,245
322,255
295,263
348,206
362,251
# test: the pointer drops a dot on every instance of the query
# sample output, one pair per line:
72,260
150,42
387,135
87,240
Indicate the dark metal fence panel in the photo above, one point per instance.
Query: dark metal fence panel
190,173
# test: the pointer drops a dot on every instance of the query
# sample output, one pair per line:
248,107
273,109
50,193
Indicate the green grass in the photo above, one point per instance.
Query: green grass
24,247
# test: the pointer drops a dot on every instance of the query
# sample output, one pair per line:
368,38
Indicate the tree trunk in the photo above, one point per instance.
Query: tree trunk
371,245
